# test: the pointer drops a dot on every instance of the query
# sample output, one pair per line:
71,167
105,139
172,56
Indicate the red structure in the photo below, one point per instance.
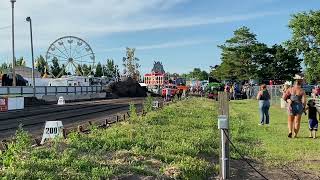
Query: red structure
154,79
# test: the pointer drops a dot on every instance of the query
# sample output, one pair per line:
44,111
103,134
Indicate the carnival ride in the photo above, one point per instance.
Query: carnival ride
74,54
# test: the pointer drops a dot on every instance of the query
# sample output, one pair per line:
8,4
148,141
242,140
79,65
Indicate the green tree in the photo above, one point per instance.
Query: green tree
4,68
55,67
86,70
276,63
41,65
236,56
99,70
110,68
305,41
198,74
131,65
79,70
20,62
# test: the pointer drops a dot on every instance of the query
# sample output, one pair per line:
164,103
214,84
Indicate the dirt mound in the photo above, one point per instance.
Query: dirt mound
33,101
126,88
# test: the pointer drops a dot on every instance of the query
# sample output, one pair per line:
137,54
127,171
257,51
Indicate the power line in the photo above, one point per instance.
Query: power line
245,159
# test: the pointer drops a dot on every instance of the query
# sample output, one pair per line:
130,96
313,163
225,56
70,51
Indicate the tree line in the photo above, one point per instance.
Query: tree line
109,69
243,57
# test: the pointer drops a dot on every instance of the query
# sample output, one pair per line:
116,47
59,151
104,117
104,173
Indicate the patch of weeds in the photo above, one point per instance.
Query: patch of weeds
133,112
147,104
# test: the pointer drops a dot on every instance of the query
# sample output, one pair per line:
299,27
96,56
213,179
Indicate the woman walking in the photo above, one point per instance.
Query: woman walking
296,99
264,104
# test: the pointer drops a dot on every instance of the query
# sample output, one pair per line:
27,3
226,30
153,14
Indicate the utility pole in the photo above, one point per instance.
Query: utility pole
28,19
14,83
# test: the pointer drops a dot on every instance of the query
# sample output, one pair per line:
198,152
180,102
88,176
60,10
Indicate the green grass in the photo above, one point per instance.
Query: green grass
180,141
271,144
174,142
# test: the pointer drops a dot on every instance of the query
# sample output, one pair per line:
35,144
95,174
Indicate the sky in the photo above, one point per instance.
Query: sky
182,34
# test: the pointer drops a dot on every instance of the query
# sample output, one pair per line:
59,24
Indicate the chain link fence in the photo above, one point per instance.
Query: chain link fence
275,92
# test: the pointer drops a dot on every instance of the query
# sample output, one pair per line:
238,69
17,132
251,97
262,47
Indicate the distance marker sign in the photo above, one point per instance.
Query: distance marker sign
52,129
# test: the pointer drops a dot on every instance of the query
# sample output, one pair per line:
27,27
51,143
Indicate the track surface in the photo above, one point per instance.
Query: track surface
71,115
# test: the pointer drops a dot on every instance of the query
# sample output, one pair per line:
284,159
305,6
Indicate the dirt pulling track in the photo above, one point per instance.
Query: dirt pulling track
33,118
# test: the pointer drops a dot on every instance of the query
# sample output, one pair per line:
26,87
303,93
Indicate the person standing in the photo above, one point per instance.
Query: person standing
247,90
264,104
316,92
296,99
283,91
235,90
313,118
232,92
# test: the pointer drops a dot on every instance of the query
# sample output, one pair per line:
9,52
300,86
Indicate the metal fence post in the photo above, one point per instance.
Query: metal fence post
223,125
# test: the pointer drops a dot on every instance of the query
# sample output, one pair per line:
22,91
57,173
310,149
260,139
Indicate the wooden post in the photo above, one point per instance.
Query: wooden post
80,129
117,118
37,142
124,117
64,133
4,145
224,159
90,123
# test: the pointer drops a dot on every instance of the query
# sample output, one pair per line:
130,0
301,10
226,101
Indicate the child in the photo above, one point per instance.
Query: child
313,121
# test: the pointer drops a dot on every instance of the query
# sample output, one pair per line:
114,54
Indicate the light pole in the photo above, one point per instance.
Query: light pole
14,83
28,19
116,66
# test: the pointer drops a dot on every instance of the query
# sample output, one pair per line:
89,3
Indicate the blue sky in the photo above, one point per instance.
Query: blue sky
183,34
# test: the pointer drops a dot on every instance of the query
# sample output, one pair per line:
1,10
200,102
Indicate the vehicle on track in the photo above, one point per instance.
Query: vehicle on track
169,87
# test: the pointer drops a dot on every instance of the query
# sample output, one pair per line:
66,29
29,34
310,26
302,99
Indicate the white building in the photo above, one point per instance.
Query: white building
70,81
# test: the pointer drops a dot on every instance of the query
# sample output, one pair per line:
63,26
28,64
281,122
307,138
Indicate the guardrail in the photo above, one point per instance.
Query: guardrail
27,91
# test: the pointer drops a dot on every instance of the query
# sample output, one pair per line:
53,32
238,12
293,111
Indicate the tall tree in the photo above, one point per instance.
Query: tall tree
99,70
55,67
110,68
131,65
198,74
79,70
41,65
276,63
305,41
236,56
86,70
4,68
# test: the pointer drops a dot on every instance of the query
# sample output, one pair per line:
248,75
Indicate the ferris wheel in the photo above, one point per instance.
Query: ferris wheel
73,55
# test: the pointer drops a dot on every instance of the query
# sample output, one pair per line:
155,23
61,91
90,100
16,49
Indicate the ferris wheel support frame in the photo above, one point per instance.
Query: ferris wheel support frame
71,60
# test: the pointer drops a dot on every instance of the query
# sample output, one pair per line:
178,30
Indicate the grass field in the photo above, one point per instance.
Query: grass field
180,141
175,142
273,146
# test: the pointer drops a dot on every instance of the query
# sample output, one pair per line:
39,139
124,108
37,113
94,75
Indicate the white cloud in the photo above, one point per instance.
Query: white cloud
91,19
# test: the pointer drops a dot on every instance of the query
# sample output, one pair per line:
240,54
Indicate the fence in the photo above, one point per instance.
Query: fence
27,91
275,93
